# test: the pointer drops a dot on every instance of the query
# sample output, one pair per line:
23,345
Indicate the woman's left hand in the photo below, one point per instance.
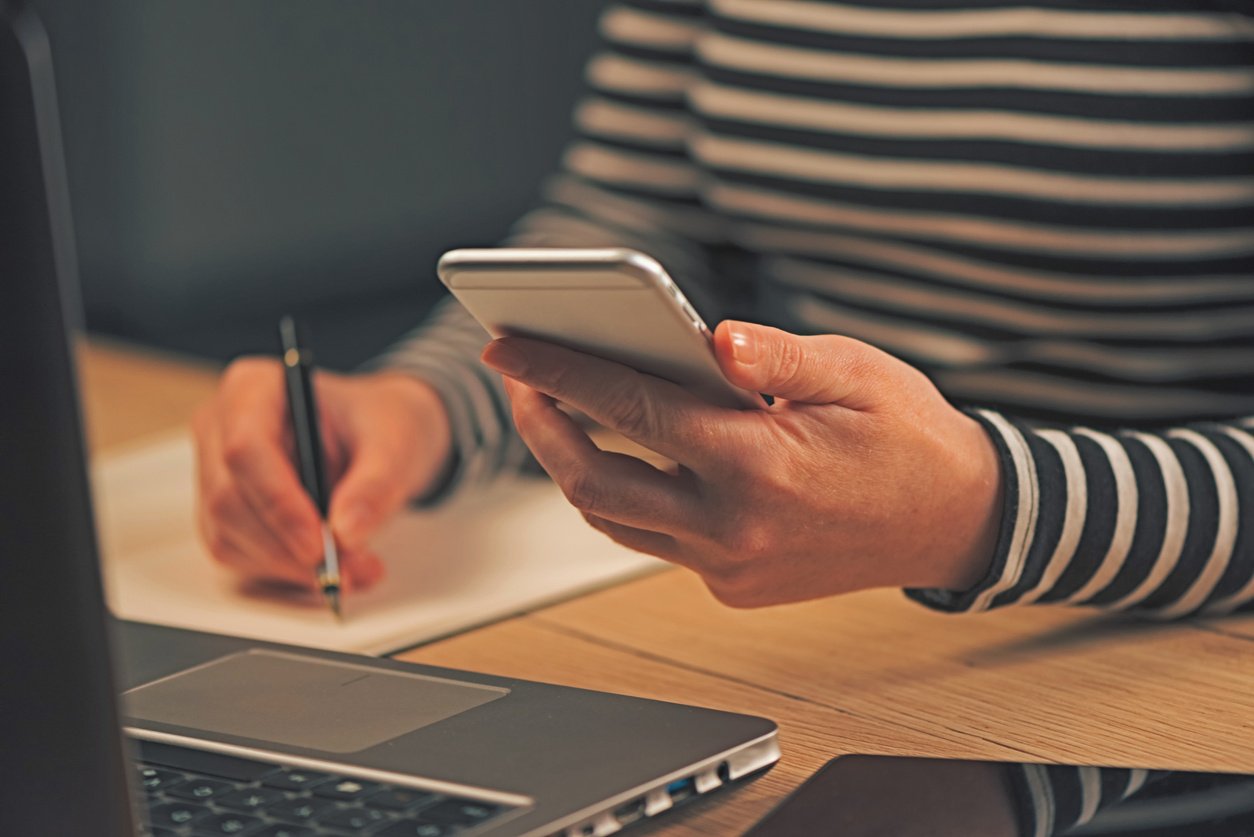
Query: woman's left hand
859,475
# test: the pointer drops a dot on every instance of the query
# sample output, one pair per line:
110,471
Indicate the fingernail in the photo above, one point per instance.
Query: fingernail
505,359
744,345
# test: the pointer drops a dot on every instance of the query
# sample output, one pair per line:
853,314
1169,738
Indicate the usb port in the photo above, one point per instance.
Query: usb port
681,789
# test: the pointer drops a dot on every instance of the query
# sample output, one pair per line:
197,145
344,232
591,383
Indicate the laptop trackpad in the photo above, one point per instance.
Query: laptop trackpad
303,701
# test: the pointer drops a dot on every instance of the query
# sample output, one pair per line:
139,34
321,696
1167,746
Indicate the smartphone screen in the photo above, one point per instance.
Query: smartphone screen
878,796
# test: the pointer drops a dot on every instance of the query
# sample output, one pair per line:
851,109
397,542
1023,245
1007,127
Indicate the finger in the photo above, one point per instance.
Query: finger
648,410
613,486
650,543
361,569
232,520
246,563
225,512
253,427
374,486
825,369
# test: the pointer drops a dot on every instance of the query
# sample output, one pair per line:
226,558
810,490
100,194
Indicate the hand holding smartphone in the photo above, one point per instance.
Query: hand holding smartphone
613,303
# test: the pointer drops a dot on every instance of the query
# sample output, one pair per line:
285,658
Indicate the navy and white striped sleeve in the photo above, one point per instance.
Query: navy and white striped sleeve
1053,799
1158,522
625,181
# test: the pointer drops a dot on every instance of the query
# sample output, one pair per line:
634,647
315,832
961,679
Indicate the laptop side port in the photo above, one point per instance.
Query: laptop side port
631,812
602,826
681,789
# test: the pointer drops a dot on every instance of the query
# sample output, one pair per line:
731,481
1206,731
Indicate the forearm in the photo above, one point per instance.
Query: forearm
1161,522
444,352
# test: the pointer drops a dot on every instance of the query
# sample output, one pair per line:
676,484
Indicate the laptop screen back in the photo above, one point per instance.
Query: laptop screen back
60,748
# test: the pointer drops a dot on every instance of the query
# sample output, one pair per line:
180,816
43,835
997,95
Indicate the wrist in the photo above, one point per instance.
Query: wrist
428,415
977,510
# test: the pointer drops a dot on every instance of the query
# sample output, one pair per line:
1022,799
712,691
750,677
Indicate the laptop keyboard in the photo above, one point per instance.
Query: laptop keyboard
194,793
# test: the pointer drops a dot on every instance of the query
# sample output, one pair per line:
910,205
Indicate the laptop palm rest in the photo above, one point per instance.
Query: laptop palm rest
305,702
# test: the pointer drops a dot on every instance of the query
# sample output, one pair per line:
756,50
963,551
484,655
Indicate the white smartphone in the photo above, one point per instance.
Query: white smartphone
613,303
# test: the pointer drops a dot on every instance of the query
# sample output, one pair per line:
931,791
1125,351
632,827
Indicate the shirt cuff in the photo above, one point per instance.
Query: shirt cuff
1019,510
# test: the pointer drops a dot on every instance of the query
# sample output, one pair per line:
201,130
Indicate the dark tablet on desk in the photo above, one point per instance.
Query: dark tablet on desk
887,796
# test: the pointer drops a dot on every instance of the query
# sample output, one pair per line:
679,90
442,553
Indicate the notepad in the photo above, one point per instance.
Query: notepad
479,558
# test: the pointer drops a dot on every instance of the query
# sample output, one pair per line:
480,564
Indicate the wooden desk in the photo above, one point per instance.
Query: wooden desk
864,673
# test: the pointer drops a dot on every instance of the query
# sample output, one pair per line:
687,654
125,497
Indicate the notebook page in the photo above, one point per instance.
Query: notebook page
474,560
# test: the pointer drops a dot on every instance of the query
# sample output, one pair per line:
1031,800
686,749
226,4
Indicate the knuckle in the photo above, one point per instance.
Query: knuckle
633,411
583,490
776,479
371,494
866,367
860,364
523,410
552,378
295,533
219,547
745,541
722,594
279,502
373,489
221,503
738,590
246,371
863,371
238,450
789,361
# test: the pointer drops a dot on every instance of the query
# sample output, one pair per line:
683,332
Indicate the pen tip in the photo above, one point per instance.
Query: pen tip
333,599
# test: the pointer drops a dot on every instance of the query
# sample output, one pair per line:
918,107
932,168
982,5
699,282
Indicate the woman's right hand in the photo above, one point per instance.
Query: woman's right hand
387,441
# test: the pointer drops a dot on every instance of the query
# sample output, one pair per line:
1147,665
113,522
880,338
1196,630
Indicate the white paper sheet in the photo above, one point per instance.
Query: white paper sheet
473,561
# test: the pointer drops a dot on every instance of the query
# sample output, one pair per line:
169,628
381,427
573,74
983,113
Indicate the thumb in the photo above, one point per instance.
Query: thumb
824,369
374,487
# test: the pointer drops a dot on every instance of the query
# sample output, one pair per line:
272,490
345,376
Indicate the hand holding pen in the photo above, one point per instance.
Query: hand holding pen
386,440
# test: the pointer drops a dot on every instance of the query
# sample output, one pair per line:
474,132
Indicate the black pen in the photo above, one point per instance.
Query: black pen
298,371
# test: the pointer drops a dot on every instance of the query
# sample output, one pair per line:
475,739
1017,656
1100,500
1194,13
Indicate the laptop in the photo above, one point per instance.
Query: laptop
217,735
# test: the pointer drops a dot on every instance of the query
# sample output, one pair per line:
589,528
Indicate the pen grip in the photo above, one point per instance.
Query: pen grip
308,439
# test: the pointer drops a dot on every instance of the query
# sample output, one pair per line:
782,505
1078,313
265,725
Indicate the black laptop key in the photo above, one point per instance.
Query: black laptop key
280,830
153,779
197,789
237,824
175,814
346,790
463,812
298,809
413,828
398,799
353,820
296,780
202,761
250,799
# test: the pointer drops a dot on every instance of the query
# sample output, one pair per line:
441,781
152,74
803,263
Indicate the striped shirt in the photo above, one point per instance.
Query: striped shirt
1046,207
1053,799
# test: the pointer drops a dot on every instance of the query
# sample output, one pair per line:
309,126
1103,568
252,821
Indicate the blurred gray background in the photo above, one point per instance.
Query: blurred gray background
231,160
